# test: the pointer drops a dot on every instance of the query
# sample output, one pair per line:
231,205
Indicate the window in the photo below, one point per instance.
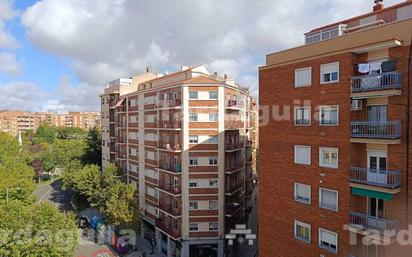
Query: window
213,205
213,160
329,73
193,184
329,115
302,231
213,183
193,205
328,240
328,199
192,116
193,161
302,154
302,116
213,116
212,140
303,77
213,95
213,226
193,139
193,95
193,227
302,193
328,157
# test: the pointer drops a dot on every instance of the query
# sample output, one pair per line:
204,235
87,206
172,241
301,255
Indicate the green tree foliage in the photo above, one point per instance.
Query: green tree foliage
104,190
61,153
36,230
45,133
16,182
9,148
93,154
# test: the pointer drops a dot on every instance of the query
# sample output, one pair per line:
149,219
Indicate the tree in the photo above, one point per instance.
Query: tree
104,190
93,152
9,148
45,133
16,183
36,230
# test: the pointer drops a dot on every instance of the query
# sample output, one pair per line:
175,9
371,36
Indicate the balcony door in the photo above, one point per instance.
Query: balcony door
377,165
376,212
377,113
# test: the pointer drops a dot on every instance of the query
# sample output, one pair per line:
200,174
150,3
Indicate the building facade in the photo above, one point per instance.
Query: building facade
335,156
14,122
185,141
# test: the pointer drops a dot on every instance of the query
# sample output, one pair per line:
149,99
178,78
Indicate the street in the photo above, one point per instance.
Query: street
88,246
246,250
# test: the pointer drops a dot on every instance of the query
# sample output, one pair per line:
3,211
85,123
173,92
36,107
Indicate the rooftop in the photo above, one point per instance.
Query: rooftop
379,16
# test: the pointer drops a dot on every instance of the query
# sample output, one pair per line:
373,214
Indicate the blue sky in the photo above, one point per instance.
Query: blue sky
58,55
38,66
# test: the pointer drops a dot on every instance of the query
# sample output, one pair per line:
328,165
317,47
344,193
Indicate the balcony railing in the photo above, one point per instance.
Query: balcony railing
167,227
169,103
382,178
170,209
169,146
171,188
171,167
384,130
170,124
371,223
384,81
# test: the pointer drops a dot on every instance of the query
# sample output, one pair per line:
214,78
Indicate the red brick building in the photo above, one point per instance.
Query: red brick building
335,156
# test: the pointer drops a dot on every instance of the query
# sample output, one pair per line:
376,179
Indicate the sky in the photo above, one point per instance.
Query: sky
58,55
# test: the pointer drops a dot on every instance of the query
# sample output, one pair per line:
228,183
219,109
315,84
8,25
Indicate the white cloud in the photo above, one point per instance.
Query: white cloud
22,96
7,13
73,97
9,64
107,39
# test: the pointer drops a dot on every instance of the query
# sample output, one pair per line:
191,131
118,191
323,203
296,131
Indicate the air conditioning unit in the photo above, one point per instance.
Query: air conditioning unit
356,105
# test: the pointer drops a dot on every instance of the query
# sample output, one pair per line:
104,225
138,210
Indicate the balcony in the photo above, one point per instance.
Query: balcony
379,132
232,147
233,167
175,168
171,188
385,84
366,224
171,147
385,179
168,208
170,125
171,103
167,228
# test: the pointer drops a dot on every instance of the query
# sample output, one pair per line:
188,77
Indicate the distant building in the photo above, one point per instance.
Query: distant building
13,121
186,141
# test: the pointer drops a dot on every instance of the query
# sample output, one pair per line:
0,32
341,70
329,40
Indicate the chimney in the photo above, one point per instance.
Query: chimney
378,5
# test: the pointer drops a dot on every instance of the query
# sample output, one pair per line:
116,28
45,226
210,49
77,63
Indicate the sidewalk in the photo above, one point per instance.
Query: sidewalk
144,246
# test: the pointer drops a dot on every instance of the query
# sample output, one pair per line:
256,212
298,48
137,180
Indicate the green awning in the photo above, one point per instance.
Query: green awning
371,193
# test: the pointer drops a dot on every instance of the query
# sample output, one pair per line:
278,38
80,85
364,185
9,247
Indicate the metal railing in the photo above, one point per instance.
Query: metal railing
367,129
387,80
371,223
382,178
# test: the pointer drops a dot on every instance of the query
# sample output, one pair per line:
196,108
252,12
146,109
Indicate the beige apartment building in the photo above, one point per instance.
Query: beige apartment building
84,120
185,140
13,121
